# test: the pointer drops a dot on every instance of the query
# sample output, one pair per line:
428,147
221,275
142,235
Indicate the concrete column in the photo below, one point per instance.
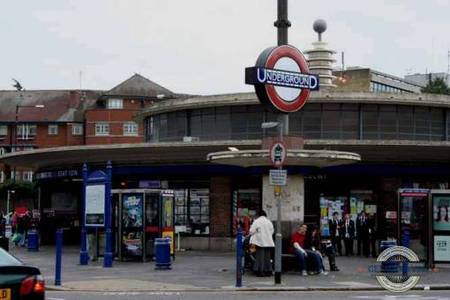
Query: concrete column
292,201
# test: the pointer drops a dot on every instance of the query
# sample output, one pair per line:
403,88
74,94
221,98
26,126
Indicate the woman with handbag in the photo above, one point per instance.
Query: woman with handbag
261,232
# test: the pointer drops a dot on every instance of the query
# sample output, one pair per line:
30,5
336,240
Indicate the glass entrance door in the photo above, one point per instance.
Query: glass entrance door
152,229
414,221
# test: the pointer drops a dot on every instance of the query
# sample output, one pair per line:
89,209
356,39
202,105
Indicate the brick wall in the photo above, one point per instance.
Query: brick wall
115,118
220,197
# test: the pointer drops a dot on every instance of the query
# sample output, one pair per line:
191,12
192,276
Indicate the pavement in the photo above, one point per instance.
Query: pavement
206,271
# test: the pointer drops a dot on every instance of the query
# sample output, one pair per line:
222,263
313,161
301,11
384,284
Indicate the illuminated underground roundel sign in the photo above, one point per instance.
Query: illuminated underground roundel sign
281,79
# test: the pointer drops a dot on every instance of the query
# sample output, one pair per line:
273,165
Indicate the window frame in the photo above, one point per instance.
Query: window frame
103,125
75,127
129,125
26,131
53,129
113,103
3,128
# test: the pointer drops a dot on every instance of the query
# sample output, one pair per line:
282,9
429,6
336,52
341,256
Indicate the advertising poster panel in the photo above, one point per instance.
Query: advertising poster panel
441,207
132,224
132,210
442,248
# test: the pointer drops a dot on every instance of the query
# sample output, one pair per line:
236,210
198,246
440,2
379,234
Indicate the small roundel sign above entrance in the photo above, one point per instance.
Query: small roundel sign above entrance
281,79
278,154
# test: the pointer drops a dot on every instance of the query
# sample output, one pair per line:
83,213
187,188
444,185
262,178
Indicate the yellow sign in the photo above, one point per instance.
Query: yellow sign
5,294
168,234
277,190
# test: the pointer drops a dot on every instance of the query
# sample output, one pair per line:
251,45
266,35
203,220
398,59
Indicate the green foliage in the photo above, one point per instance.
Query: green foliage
22,188
437,86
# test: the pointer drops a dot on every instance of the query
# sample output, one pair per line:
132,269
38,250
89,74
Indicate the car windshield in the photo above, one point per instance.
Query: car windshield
7,259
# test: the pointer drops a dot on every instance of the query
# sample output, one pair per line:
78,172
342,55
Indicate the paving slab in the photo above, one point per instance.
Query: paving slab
202,271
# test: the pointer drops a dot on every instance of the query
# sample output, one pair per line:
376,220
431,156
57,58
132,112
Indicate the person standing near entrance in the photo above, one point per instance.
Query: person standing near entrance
335,233
261,232
372,235
362,237
92,244
348,232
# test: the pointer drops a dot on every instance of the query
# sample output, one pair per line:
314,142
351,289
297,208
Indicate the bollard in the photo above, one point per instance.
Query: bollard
406,240
108,256
59,236
239,251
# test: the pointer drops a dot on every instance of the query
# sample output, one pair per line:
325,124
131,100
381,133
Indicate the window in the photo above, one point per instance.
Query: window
27,175
26,131
52,129
130,128
3,130
101,129
77,129
115,103
15,175
199,211
192,210
181,207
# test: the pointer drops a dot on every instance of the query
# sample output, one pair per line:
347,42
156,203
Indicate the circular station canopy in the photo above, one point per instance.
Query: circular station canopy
313,158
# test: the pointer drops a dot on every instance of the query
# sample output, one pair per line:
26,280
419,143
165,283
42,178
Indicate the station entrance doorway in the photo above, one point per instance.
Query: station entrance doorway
414,218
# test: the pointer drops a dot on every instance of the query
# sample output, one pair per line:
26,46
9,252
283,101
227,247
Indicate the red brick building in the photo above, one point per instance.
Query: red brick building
54,118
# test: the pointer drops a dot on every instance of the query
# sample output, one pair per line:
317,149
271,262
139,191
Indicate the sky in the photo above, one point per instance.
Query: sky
203,46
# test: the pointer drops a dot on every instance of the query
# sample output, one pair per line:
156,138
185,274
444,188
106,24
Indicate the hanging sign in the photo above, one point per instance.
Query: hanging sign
281,79
277,177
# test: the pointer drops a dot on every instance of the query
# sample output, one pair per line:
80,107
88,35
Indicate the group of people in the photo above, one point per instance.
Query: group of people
307,246
20,224
364,232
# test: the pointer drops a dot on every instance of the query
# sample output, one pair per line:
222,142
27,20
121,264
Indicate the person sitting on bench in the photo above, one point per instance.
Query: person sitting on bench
298,242
322,246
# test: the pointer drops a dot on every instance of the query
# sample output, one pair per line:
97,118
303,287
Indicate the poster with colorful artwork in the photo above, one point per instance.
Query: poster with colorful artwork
132,243
324,228
132,209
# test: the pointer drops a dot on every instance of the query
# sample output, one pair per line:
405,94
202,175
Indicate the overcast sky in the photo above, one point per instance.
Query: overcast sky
203,46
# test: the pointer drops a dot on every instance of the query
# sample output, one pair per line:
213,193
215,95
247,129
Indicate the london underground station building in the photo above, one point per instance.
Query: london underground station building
376,142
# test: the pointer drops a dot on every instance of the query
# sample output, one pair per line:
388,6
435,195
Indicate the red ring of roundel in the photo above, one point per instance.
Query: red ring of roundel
297,56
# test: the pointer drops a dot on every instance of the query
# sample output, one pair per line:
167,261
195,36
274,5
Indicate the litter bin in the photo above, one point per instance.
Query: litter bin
4,243
388,266
33,240
162,254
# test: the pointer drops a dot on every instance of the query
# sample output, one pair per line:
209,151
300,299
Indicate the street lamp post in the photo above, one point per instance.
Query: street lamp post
278,234
8,201
283,24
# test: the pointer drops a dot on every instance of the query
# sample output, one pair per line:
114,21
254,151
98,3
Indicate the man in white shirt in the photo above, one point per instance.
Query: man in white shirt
261,232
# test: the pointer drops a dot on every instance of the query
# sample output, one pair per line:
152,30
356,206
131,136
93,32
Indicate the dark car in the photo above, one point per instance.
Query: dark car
19,281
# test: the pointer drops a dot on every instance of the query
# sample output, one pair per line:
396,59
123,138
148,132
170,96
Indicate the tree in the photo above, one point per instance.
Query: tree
437,86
